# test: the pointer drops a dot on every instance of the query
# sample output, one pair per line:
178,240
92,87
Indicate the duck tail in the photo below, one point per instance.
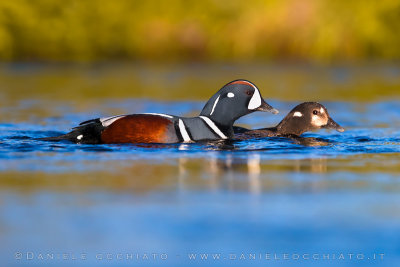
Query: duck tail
88,133
65,137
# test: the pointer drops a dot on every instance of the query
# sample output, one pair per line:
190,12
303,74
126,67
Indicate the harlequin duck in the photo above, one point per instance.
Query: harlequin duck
305,117
215,122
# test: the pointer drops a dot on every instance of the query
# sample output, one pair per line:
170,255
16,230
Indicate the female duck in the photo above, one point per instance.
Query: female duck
305,117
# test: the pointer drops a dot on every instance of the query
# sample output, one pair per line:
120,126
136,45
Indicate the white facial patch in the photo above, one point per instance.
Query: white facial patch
298,114
79,137
230,94
215,104
318,121
255,100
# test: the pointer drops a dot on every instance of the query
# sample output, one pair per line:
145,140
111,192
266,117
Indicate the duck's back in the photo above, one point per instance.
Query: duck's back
244,134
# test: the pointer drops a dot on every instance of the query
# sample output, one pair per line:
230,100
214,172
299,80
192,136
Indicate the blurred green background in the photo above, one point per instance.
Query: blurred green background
172,50
211,30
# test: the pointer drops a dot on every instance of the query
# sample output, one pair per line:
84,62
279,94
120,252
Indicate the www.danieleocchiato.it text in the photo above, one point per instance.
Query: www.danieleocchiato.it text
36,256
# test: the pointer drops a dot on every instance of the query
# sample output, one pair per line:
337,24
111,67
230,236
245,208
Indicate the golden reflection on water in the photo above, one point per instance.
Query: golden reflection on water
252,174
313,165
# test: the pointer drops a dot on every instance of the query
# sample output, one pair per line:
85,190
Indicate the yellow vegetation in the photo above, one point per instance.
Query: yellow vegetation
215,30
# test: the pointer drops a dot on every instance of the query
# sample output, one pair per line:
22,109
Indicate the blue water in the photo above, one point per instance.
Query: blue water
327,193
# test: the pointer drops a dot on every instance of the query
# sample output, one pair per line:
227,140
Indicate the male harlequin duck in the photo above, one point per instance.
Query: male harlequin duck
215,122
305,117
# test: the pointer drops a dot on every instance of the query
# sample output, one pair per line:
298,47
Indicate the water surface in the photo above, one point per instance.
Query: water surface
327,193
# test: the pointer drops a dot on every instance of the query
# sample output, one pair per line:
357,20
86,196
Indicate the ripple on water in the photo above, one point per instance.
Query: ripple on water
19,144
322,192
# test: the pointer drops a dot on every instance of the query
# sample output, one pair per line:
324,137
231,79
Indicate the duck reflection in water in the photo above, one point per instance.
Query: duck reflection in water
251,173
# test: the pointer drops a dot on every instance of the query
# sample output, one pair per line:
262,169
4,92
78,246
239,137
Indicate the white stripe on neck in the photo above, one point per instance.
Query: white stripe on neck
215,103
214,127
184,133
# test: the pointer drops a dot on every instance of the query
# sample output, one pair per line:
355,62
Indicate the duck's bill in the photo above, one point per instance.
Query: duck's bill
266,107
333,125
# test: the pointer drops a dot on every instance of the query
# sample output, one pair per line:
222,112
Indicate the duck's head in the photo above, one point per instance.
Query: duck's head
306,117
234,100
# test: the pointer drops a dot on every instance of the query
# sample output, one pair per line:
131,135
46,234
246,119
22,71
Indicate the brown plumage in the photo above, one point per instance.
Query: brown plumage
140,129
307,116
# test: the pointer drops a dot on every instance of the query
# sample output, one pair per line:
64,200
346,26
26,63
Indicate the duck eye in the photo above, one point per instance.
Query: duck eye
315,112
249,92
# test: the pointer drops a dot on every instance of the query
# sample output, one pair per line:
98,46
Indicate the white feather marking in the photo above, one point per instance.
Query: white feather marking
318,121
183,131
160,114
214,127
255,100
298,114
230,94
215,103
322,110
109,120
79,137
